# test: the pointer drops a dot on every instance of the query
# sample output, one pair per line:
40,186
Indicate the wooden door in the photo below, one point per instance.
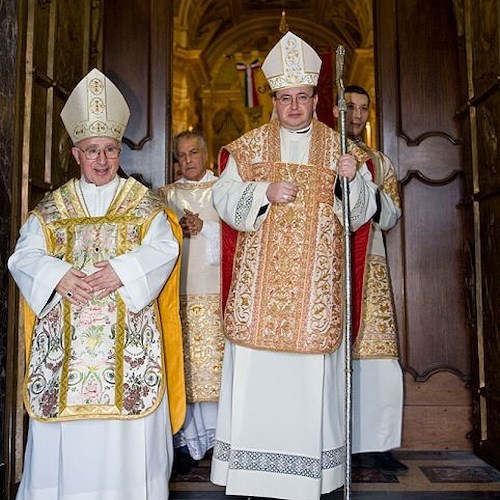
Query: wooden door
481,43
138,58
59,42
418,96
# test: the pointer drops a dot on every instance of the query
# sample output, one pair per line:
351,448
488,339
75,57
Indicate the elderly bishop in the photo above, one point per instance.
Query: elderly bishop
97,266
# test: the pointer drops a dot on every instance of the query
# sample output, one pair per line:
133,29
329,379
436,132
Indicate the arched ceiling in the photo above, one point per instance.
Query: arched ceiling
217,29
213,37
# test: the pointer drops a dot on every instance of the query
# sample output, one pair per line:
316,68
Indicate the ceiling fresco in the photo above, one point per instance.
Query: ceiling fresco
209,25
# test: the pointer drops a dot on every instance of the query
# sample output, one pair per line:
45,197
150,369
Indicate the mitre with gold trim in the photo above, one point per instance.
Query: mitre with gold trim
95,108
290,63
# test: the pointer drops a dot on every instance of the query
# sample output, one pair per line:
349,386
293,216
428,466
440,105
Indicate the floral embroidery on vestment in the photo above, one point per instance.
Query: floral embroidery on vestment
286,288
98,360
377,336
203,340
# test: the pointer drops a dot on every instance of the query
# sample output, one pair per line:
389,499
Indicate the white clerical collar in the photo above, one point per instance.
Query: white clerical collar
110,186
301,132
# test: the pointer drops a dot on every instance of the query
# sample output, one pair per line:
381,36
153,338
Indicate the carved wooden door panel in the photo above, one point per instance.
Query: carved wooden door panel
418,96
60,43
481,35
138,58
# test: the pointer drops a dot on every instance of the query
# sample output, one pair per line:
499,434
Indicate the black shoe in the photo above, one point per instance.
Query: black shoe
357,461
391,465
364,461
183,462
382,461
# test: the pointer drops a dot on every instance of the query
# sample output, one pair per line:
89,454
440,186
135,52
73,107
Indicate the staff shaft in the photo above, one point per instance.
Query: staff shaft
347,281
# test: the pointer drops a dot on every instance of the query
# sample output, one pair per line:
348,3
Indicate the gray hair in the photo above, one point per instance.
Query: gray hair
190,134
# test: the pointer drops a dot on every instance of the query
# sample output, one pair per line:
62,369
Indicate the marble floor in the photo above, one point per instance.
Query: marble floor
432,475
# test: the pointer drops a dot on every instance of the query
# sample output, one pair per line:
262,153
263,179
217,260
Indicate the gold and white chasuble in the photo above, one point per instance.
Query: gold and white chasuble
377,337
202,331
99,360
285,293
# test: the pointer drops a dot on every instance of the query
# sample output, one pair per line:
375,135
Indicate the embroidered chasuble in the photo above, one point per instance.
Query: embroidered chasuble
102,360
374,327
286,286
202,331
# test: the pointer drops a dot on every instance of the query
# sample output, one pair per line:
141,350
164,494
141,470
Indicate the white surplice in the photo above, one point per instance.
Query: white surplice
280,429
198,430
97,459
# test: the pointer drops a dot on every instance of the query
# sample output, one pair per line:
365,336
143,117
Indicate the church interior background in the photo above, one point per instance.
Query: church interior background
431,68
218,86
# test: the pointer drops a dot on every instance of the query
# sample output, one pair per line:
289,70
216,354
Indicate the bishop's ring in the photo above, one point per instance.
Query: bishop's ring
69,294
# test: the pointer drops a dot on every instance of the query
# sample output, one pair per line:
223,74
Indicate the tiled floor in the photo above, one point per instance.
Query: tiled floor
431,476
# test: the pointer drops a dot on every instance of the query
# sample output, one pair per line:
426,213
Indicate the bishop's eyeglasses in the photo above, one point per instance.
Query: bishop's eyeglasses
93,152
286,99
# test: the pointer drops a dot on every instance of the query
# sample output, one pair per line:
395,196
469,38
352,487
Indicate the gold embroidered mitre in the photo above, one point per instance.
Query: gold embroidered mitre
95,108
291,63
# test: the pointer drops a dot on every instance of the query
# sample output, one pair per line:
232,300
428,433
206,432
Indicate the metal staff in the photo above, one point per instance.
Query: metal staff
347,282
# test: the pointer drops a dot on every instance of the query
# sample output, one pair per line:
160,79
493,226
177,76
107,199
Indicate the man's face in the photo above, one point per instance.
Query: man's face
358,109
99,159
295,106
192,158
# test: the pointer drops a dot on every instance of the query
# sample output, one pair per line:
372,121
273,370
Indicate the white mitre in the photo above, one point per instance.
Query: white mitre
95,108
290,63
